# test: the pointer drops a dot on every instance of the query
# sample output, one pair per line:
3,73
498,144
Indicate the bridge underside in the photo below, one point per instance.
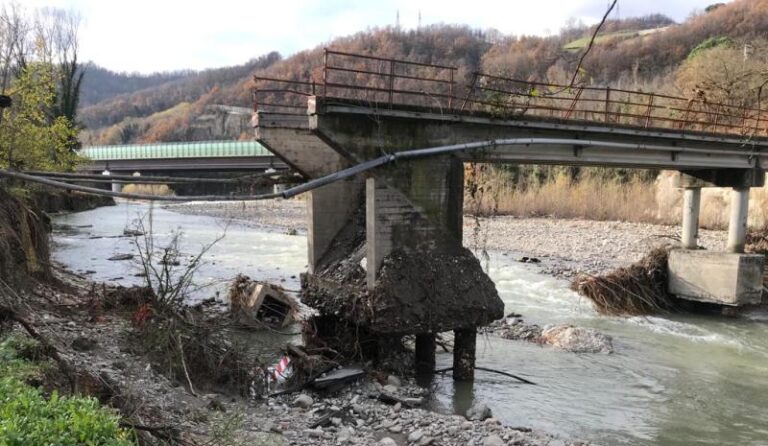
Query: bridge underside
392,259
240,164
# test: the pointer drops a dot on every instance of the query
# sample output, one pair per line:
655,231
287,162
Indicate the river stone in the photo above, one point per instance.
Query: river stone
304,401
345,434
415,436
577,339
493,440
390,389
386,441
425,441
479,412
393,380
413,402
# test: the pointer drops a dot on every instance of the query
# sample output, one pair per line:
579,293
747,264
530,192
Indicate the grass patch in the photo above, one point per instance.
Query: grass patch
603,38
561,197
28,417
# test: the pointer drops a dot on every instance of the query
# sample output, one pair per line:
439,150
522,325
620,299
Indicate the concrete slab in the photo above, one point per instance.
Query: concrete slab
716,277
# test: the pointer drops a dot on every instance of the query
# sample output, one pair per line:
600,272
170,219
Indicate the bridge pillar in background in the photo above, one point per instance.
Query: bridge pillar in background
737,224
116,186
691,206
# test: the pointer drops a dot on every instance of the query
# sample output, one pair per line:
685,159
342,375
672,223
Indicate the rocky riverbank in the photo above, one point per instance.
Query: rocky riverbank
378,410
564,247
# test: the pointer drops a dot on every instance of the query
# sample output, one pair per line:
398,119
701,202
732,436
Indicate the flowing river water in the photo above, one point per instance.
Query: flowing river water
671,381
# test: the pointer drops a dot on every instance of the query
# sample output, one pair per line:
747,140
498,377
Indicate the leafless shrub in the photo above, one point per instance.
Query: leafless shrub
185,342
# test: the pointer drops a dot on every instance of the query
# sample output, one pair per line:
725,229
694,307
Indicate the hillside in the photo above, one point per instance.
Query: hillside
102,84
634,58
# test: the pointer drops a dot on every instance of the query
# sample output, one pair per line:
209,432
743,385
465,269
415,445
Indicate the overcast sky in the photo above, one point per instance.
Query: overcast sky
161,35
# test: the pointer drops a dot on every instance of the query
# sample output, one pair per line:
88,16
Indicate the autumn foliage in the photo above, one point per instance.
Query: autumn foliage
651,60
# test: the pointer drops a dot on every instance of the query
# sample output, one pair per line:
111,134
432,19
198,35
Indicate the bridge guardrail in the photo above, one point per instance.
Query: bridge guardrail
392,83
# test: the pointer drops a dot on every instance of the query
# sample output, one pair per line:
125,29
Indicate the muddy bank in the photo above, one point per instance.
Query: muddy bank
564,246
53,201
24,249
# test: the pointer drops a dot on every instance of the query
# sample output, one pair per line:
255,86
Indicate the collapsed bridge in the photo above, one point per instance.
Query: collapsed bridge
385,249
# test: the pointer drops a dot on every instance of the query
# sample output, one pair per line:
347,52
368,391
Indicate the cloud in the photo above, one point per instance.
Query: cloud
161,35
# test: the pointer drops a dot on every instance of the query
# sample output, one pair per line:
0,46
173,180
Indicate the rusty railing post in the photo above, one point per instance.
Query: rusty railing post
391,81
648,113
470,91
717,117
607,103
450,91
685,116
573,104
744,120
325,72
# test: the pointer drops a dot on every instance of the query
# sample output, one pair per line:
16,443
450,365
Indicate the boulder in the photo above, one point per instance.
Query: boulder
577,339
304,401
479,412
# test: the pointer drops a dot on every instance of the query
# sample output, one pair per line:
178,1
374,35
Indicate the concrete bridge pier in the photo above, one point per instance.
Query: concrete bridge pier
425,354
725,278
691,207
414,212
737,225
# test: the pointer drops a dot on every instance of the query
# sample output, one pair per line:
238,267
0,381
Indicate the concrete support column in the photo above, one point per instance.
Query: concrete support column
464,342
737,226
378,228
691,206
329,209
425,353
421,204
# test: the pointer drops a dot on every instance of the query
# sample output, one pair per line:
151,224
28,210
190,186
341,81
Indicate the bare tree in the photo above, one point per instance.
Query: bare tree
56,31
15,44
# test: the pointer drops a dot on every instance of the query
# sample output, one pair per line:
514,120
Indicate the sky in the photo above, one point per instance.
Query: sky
161,35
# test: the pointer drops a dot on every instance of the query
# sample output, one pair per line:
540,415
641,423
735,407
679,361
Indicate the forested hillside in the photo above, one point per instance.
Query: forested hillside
102,84
648,53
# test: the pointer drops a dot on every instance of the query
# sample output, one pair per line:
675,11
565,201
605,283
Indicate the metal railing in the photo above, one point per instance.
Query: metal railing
398,84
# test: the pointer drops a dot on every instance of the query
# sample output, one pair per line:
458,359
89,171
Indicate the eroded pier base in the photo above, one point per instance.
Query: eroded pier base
425,353
464,344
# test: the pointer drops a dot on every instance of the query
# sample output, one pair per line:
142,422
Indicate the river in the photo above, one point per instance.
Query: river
672,381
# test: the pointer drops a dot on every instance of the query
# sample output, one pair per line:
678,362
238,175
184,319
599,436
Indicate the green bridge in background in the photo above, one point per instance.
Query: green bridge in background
181,156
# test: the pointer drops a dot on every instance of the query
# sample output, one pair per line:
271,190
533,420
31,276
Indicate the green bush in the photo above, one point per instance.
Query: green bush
27,417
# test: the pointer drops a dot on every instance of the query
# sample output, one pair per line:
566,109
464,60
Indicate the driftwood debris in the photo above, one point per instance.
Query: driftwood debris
636,290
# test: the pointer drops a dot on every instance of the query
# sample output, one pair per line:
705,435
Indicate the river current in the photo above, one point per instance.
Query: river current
672,381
